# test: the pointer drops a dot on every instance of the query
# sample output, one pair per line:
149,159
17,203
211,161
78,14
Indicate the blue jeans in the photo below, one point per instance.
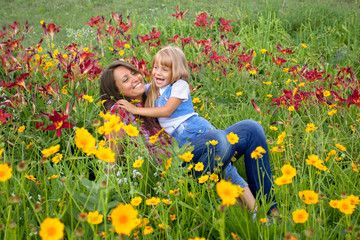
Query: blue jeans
251,135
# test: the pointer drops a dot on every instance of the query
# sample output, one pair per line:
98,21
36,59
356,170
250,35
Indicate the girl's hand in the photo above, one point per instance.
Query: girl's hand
127,106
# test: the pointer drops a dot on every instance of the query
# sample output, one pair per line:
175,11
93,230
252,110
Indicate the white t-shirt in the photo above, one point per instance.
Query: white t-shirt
181,90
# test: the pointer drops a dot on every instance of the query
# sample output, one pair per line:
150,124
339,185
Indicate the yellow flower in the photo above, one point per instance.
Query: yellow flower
252,72
291,108
301,84
85,49
88,98
281,138
273,128
263,220
277,149
288,170
190,167
199,167
136,201
64,91
353,200
309,197
50,151
5,172
354,167
213,142
148,230
168,163
326,93
267,83
228,192
138,163
53,176
95,218
40,49
269,95
334,203
345,206
21,129
294,60
331,153
313,160
30,177
340,147
121,52
153,201
186,156
51,229
105,154
283,180
174,191
310,127
127,45
232,138
332,112
153,139
57,158
203,179
214,177
112,123
124,219
263,51
131,130
196,100
172,217
85,141
239,93
166,201
300,216
257,153
111,49
303,45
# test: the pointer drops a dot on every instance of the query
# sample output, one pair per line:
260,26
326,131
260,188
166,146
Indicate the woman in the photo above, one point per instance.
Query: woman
122,80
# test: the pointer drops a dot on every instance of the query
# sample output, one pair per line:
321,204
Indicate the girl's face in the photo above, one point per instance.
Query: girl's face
131,84
161,75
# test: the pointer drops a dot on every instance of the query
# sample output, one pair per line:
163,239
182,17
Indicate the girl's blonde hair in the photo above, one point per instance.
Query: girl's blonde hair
173,58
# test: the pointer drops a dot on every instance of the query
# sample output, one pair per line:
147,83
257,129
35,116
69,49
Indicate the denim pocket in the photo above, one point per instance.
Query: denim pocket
191,129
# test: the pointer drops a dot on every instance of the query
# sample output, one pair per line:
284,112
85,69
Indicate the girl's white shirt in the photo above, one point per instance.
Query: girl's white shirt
180,89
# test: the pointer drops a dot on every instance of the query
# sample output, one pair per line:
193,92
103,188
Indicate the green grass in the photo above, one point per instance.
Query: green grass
329,29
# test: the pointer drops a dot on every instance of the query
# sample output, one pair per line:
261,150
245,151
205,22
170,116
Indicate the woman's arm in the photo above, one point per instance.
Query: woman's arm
164,111
115,147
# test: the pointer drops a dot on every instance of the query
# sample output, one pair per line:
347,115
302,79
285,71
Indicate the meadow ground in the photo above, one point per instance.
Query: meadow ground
294,66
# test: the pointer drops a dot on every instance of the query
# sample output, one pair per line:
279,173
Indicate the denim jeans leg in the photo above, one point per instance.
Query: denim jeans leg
251,135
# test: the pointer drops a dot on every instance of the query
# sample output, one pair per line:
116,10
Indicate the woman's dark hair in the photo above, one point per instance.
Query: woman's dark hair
108,90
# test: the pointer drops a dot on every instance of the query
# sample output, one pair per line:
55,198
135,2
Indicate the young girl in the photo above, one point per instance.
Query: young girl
169,100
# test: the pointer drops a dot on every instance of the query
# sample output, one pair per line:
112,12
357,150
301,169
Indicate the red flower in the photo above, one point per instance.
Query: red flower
354,98
179,14
174,38
224,25
144,38
186,40
50,29
59,123
98,21
119,44
286,51
202,20
155,34
4,115
279,61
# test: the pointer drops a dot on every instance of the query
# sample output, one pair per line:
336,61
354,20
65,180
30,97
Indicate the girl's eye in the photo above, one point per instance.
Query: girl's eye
133,73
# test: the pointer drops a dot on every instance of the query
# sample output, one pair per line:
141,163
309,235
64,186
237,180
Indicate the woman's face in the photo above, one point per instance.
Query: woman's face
131,84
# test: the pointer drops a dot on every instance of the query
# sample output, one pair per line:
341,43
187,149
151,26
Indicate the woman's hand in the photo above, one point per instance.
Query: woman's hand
127,106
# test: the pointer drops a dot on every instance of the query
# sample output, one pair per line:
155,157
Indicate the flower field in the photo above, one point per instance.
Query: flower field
59,177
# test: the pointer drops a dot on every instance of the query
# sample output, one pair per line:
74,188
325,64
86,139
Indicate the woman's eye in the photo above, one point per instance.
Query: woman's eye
125,79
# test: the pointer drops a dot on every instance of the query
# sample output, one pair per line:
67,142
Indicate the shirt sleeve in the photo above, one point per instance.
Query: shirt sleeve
147,87
180,89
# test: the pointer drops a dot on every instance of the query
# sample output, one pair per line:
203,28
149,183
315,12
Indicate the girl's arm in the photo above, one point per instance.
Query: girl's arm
164,111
